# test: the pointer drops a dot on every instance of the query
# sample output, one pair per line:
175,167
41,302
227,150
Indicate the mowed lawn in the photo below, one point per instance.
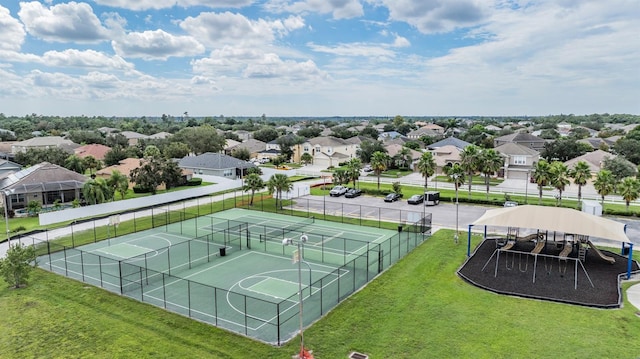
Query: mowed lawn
417,309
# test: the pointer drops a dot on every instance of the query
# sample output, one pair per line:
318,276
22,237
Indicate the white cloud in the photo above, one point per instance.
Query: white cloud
12,31
233,62
156,44
437,16
217,29
354,49
400,41
70,22
85,59
339,9
138,5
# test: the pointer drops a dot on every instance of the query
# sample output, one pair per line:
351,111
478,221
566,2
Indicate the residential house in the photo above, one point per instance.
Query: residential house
243,135
449,141
125,167
216,164
425,131
252,145
521,138
395,149
133,137
326,151
519,160
7,167
390,135
95,150
594,159
129,164
445,156
44,143
492,128
229,144
596,142
45,183
160,136
7,132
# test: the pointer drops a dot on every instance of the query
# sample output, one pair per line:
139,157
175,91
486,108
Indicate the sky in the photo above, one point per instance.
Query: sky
319,57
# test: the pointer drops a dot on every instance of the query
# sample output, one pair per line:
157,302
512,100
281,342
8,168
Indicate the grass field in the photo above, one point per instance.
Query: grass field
417,309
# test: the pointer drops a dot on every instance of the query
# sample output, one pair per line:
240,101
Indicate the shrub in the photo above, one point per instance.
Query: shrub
195,181
139,189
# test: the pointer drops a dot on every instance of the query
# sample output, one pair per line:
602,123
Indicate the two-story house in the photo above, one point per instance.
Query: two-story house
326,151
521,138
519,161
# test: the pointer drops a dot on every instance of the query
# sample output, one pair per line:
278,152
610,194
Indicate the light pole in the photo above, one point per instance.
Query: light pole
299,257
526,187
455,183
6,219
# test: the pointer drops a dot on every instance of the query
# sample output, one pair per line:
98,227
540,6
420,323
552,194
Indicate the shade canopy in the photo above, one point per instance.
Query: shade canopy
555,219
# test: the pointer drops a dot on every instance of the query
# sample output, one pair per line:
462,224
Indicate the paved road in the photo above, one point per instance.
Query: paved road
444,215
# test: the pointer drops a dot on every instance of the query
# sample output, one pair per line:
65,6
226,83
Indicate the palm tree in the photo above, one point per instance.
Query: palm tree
91,163
379,163
253,183
75,164
605,183
96,191
490,162
119,183
403,157
629,189
541,176
580,174
426,166
353,169
559,178
456,175
470,161
277,184
306,158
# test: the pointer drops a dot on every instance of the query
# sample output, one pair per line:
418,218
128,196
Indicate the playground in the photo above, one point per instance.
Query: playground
548,254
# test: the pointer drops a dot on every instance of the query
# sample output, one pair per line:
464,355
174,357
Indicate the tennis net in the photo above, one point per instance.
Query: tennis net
287,229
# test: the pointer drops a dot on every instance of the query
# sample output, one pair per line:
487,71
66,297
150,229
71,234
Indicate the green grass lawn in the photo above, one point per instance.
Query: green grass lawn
417,309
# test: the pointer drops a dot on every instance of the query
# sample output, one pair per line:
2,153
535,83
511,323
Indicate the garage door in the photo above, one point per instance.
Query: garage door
517,175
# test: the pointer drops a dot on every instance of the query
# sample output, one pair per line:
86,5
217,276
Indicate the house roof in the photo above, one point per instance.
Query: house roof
44,141
42,177
450,141
251,144
594,142
132,135
395,148
328,141
231,143
95,150
160,135
520,137
214,161
515,149
445,154
125,167
594,159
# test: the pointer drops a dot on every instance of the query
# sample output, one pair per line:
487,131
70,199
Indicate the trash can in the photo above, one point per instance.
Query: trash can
223,251
399,228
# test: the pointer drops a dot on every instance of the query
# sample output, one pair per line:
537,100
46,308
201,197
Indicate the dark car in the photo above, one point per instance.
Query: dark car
416,199
353,192
391,197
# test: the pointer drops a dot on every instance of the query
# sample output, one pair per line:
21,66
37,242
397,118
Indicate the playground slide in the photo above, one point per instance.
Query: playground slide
530,237
509,245
600,254
566,250
539,246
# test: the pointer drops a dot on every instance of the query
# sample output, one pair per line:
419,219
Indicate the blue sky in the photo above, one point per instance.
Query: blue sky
319,57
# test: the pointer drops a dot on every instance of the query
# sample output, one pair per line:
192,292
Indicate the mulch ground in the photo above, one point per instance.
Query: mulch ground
554,278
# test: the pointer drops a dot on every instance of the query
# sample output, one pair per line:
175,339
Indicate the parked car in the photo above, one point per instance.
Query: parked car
367,168
416,199
353,192
338,191
392,197
510,204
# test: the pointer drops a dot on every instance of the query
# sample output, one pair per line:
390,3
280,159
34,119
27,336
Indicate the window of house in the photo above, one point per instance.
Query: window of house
228,173
318,149
329,150
519,160
306,149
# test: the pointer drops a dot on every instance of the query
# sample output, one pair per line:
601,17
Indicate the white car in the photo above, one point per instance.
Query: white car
338,191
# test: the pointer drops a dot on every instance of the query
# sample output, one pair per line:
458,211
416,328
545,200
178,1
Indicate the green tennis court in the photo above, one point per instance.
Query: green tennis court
231,269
